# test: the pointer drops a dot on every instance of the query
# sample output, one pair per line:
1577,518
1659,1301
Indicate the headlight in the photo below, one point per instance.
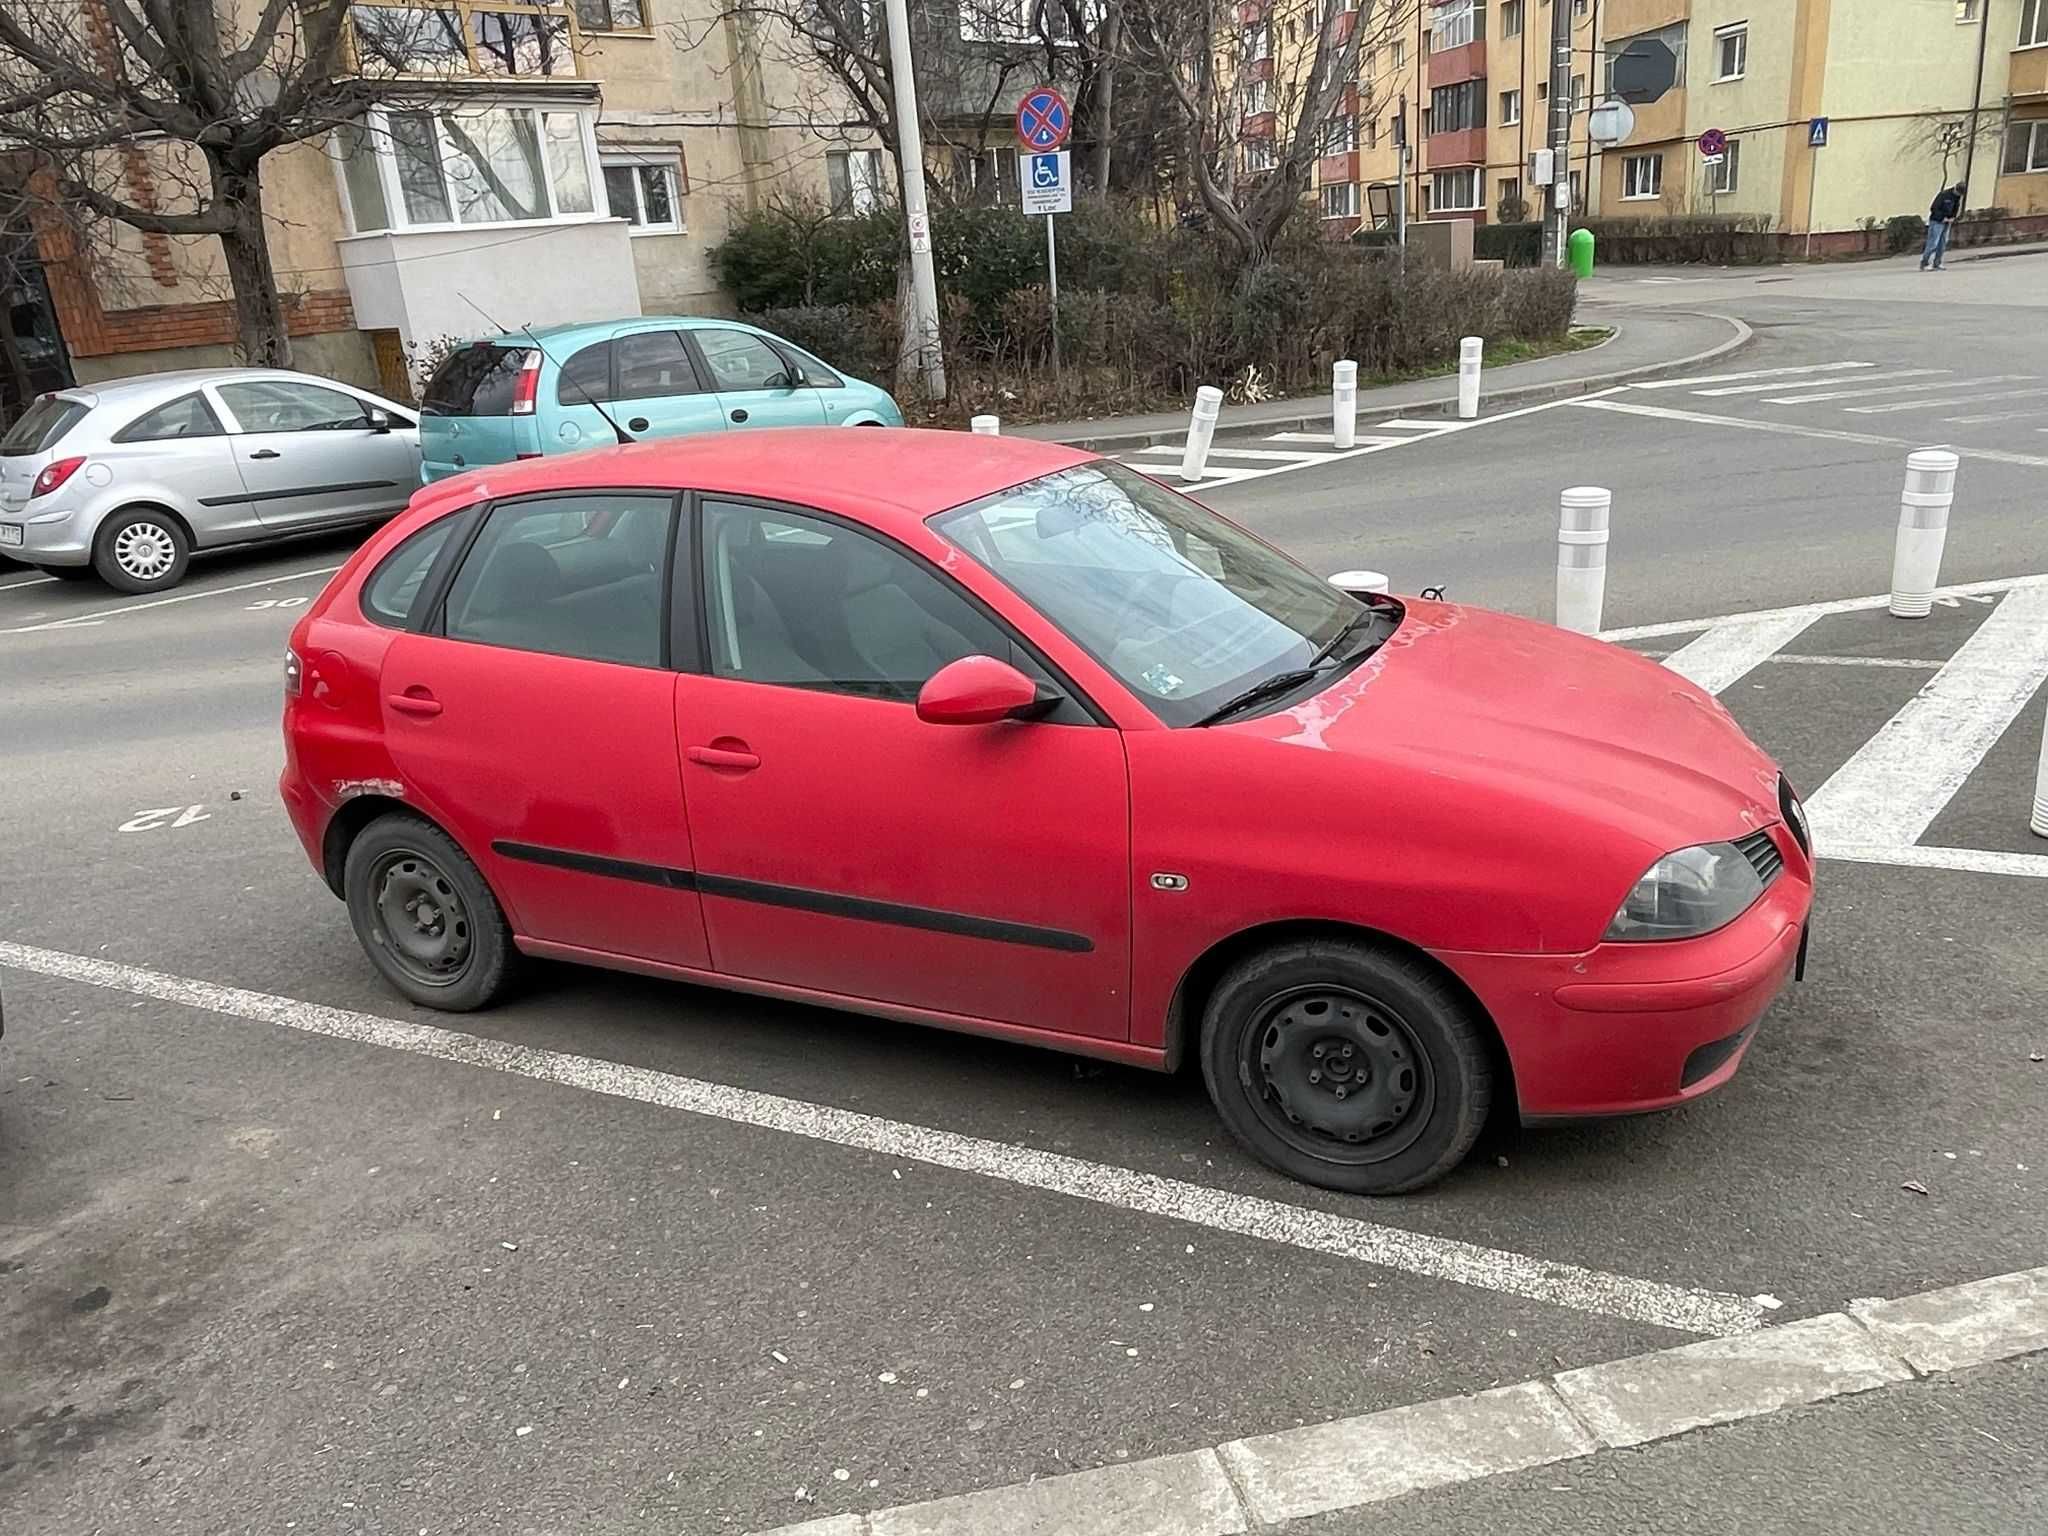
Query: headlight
1688,893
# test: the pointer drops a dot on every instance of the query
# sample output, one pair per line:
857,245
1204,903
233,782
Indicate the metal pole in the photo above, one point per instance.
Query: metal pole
1052,288
1557,228
1812,175
931,366
1401,185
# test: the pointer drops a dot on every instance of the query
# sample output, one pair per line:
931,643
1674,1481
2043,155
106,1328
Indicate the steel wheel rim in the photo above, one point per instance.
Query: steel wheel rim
144,551
1338,1075
419,919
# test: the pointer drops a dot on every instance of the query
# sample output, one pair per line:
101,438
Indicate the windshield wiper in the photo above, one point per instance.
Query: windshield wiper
1279,682
1336,641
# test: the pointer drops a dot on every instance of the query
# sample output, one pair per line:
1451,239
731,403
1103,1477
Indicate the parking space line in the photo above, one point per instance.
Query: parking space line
1685,1309
98,615
1729,651
1272,455
1969,861
1793,429
1904,373
1976,421
1902,389
1889,792
1754,373
28,581
1936,405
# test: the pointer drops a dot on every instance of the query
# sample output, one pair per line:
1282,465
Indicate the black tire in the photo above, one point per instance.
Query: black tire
1347,1065
458,954
141,550
70,572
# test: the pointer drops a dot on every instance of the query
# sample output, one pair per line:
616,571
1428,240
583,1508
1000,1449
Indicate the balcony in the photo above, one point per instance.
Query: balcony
1467,61
2029,73
1256,125
1461,146
1250,11
1335,170
1625,18
1347,23
1259,69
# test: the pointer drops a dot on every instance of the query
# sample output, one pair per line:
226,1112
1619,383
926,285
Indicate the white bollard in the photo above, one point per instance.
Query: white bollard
1923,529
1582,517
2039,825
1470,352
1357,582
986,426
1201,429
1344,404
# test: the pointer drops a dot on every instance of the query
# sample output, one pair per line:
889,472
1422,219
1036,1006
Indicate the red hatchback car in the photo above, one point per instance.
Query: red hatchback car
996,735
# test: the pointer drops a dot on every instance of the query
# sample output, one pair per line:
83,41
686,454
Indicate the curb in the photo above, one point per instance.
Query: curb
1318,418
1267,1481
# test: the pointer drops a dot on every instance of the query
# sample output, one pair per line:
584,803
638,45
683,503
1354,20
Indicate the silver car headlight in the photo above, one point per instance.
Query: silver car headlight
1688,893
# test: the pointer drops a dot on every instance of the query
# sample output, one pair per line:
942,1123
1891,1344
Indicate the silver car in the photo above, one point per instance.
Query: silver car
125,479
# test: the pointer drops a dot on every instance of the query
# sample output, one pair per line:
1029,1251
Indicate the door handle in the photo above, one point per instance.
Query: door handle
415,701
723,757
740,414
266,453
637,424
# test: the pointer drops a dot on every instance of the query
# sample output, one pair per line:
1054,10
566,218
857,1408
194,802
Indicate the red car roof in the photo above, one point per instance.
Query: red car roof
884,476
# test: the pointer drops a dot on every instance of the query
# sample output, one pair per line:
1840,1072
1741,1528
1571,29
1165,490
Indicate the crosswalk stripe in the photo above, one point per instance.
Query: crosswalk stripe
1327,439
1890,790
1930,405
1973,421
1754,373
1731,650
1414,426
1764,389
1273,455
1903,389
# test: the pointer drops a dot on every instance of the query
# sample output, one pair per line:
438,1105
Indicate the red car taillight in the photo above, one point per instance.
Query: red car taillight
54,474
527,390
294,673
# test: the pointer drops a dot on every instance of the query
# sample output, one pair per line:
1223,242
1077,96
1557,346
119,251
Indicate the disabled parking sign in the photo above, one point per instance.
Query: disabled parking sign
1046,182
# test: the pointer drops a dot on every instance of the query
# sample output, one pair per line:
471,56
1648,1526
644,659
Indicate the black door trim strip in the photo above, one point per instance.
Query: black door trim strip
798,898
302,490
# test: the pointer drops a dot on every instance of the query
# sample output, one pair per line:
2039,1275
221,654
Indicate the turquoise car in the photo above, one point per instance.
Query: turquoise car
522,396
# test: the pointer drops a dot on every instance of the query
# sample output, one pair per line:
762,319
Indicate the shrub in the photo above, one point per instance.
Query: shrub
1517,243
1723,241
860,339
1904,231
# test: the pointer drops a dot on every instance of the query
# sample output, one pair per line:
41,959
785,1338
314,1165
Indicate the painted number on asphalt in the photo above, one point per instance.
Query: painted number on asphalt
172,816
279,602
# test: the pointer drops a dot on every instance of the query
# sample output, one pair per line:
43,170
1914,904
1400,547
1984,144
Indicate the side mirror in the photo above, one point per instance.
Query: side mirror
380,419
979,690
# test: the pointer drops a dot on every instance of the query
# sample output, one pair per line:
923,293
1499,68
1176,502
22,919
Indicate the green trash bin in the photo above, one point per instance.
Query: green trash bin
1579,252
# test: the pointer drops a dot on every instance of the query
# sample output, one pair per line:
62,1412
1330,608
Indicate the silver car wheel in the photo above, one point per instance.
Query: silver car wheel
144,551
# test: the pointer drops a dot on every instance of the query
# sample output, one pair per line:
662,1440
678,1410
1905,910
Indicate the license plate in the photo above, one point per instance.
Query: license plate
10,533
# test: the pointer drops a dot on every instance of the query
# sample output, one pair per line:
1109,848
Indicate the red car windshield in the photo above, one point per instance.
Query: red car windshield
1185,609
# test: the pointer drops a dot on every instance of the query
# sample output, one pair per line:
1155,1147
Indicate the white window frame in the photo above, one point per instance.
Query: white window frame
1400,53
1456,23
1014,22
670,163
1258,97
1511,10
1510,107
1260,156
1967,12
1726,177
1340,135
1579,101
1467,176
2033,24
859,200
1738,35
1639,185
377,141
2036,159
1346,201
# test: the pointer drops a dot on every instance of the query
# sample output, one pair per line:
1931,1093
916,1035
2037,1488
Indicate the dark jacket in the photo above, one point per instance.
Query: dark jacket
1947,204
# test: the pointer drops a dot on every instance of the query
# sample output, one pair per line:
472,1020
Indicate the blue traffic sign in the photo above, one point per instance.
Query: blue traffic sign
1043,120
1817,133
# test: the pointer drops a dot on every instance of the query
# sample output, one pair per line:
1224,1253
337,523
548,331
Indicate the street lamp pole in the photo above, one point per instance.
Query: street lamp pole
931,365
1557,226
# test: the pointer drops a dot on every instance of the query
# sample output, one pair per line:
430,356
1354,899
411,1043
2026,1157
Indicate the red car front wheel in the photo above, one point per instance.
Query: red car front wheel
1347,1065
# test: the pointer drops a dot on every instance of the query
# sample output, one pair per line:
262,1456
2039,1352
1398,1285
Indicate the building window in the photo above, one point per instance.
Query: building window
467,165
1371,65
1016,21
1642,176
1259,155
1456,107
1967,12
1731,52
1258,97
2033,23
853,180
1456,23
1340,135
1510,18
1339,201
1543,90
1371,129
1400,54
528,39
1580,7
1722,178
1455,191
1578,93
2026,147
986,178
1258,41
611,15
1510,108
645,191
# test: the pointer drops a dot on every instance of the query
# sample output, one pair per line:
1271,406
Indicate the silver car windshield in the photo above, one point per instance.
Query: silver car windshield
1186,610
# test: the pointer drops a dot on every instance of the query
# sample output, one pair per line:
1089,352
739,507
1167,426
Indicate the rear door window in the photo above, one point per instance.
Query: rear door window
653,364
42,425
587,377
475,381
187,416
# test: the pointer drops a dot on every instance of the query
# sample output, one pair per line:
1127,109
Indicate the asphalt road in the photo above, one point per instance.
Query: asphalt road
253,1275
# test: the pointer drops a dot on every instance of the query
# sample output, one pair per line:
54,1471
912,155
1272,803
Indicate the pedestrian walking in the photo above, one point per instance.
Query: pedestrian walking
1941,217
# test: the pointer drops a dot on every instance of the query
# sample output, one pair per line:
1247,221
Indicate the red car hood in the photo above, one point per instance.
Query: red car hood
1545,720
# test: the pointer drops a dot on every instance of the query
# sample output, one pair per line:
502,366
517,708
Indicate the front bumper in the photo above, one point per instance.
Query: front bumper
1625,1029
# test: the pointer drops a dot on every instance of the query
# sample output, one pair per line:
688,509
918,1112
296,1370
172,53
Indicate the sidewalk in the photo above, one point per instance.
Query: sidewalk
1645,341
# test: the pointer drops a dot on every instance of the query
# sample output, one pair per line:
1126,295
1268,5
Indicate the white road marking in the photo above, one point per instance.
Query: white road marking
1765,389
1973,421
1820,610
1792,429
1346,1464
1271,455
1935,405
26,581
1972,861
1684,1308
1896,663
1327,439
1902,389
1731,650
1404,425
1754,373
1889,792
82,620
150,821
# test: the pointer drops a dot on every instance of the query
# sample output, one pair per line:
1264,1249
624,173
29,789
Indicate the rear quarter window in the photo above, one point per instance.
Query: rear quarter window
475,381
42,425
389,594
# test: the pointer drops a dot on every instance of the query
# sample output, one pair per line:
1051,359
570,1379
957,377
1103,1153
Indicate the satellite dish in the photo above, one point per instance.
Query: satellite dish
1611,122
